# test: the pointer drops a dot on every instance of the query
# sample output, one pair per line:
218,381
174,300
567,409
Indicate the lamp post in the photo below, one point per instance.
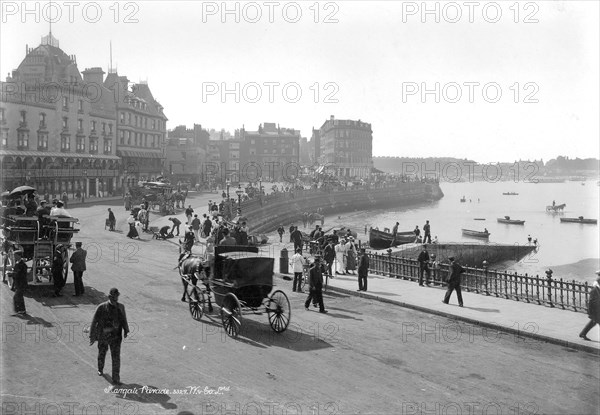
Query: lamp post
239,192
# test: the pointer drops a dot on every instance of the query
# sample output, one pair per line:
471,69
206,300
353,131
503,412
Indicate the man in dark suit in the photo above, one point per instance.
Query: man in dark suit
19,283
363,270
593,308
316,285
296,237
78,267
454,282
108,328
423,259
329,257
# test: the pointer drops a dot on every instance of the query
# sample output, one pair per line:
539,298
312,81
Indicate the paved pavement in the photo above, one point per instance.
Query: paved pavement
553,325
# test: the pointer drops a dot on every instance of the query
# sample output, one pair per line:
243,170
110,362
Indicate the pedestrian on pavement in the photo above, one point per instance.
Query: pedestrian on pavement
593,308
207,227
188,214
131,222
111,220
417,232
280,231
394,233
78,267
176,224
57,270
196,227
351,255
316,286
423,259
296,237
454,282
19,283
292,227
298,263
339,256
426,232
363,270
329,256
108,328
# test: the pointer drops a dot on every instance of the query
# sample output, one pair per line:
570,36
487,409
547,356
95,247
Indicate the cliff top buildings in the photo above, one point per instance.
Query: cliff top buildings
345,146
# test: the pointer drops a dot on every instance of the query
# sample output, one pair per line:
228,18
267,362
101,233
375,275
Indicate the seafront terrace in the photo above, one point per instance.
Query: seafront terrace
548,291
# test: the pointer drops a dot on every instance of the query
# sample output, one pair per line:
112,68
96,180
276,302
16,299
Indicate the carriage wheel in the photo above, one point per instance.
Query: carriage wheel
9,264
231,315
279,311
196,301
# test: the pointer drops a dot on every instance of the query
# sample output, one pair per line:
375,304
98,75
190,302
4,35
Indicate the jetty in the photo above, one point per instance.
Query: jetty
469,253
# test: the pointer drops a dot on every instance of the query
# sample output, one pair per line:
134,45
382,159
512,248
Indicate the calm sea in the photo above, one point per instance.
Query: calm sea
559,243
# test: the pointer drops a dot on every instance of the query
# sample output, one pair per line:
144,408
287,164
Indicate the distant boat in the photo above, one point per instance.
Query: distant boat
510,194
510,221
476,234
479,219
547,180
381,240
579,220
577,179
463,199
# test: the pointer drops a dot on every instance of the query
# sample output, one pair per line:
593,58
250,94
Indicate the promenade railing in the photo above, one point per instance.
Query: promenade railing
548,291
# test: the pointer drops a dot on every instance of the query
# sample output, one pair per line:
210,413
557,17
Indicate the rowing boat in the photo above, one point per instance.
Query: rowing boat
476,234
507,220
579,220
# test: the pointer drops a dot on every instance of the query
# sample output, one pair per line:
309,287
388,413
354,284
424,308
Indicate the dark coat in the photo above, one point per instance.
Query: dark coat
363,266
316,277
455,271
102,321
296,236
20,275
423,258
78,260
328,253
594,304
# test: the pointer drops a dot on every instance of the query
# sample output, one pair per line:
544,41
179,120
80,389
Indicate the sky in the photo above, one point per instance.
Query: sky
488,81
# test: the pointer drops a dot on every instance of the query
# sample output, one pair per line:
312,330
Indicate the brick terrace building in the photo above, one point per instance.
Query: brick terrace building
186,153
346,146
57,129
141,130
270,153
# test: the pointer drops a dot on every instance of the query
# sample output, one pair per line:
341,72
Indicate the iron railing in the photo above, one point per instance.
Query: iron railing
548,291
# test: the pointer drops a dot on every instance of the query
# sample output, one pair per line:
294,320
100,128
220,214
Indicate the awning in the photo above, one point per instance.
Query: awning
139,154
376,171
19,153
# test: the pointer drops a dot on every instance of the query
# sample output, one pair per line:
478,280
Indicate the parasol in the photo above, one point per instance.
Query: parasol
21,190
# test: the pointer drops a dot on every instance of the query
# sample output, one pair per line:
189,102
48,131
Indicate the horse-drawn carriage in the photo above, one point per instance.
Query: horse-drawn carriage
240,280
44,242
159,196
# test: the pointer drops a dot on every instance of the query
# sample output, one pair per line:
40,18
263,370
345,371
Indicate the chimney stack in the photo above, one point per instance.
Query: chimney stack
93,75
331,118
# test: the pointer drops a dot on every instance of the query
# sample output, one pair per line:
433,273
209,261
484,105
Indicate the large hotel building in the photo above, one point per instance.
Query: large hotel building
63,130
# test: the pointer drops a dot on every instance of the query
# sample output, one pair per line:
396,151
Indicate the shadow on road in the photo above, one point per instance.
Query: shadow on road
484,310
45,296
143,394
259,334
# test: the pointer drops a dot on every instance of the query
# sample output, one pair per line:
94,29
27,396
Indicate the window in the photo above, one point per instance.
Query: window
23,139
103,128
93,145
65,103
153,124
80,124
129,118
122,137
23,117
128,135
93,126
122,118
42,120
110,129
135,122
2,119
4,138
80,109
65,124
65,142
80,144
107,146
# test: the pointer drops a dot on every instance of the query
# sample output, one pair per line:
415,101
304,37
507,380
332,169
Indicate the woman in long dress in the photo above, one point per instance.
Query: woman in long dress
132,231
351,256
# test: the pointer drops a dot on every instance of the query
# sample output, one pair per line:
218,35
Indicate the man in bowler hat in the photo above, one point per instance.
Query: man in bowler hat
78,267
108,328
454,282
316,285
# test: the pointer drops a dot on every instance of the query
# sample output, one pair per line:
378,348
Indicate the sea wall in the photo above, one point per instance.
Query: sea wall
264,215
